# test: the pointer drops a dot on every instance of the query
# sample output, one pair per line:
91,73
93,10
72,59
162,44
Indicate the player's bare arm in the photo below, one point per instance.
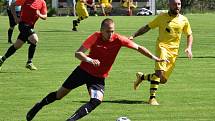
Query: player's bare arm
13,11
188,50
42,16
148,54
80,54
141,31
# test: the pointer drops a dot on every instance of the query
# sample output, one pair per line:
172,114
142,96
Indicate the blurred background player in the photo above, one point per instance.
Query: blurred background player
129,4
92,6
105,4
81,11
171,26
12,22
30,12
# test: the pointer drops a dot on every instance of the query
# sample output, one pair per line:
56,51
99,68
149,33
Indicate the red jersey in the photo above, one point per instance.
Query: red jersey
90,2
29,8
104,51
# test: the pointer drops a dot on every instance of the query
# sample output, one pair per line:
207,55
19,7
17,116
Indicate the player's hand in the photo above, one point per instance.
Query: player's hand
189,53
38,13
159,59
95,62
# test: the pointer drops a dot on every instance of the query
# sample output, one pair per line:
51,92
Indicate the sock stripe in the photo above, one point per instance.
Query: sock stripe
151,97
154,82
153,88
148,77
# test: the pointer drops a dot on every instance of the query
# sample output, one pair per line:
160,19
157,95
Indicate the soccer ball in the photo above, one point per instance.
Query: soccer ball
123,119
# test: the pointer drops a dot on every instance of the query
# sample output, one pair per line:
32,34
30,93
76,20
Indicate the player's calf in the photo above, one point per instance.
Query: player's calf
85,109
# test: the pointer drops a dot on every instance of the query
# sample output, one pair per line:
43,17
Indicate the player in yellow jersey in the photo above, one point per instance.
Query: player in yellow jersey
171,25
105,4
130,5
81,11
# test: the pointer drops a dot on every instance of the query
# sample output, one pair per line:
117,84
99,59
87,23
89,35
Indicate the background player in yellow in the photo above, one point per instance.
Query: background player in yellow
81,10
129,4
171,25
105,4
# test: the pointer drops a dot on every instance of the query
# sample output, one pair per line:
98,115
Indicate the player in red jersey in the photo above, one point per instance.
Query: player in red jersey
91,4
30,12
104,47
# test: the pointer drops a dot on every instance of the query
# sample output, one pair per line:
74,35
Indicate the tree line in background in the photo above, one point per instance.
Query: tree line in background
188,6
191,6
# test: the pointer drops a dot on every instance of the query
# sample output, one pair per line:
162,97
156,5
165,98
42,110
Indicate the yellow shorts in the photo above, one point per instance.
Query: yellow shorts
165,53
125,4
106,5
81,10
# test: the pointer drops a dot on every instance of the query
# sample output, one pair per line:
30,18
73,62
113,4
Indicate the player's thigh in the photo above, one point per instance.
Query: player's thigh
125,4
27,33
162,67
109,5
18,44
170,67
96,87
76,78
82,12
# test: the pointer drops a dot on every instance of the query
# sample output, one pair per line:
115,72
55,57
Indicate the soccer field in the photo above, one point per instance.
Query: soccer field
189,94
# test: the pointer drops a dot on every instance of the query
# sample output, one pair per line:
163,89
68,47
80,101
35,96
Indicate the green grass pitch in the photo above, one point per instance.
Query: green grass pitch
189,94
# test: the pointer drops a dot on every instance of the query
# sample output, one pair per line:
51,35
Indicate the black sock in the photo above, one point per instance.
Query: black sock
50,98
11,50
85,109
31,51
79,19
10,32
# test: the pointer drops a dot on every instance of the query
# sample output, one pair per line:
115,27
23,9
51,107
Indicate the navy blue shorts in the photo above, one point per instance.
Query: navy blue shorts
80,77
25,31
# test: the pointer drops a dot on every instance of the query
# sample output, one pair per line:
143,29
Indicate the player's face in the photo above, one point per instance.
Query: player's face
108,31
175,6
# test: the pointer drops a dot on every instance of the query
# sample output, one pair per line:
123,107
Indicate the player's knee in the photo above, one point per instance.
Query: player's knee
85,17
34,41
59,96
163,81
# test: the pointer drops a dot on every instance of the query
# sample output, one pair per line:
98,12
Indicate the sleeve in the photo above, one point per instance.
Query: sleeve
187,29
43,10
127,42
20,2
155,23
90,41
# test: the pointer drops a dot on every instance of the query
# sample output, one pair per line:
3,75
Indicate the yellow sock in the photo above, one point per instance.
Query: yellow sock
154,80
147,77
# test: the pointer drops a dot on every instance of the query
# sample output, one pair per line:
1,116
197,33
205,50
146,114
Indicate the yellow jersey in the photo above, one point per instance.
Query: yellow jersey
105,1
80,2
170,29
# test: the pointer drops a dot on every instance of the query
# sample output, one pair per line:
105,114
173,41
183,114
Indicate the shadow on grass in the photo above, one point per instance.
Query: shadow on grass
119,101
